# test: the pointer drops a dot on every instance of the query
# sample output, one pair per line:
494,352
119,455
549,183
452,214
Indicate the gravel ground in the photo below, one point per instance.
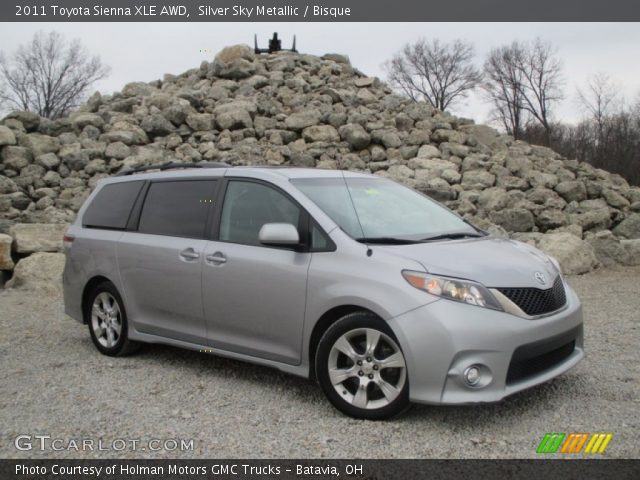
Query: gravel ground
54,382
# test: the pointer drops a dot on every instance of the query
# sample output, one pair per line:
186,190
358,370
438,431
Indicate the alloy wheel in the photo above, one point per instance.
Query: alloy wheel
367,368
106,320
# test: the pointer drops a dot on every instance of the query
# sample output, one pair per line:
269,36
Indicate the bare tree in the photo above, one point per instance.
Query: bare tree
542,72
504,87
599,99
439,73
48,76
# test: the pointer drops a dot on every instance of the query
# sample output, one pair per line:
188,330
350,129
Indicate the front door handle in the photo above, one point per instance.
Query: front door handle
189,254
216,258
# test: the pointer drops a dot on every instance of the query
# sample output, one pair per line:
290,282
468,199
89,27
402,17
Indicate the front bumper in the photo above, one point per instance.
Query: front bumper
442,339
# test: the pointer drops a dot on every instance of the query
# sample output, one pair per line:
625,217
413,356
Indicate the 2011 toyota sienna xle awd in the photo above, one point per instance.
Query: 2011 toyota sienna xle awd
381,294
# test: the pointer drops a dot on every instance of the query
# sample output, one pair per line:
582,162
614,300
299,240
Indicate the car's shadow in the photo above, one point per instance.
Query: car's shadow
535,400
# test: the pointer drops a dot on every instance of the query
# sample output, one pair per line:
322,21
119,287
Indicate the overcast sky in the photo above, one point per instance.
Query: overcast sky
145,51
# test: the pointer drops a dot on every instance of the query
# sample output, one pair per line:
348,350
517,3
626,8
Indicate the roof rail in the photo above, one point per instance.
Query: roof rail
172,165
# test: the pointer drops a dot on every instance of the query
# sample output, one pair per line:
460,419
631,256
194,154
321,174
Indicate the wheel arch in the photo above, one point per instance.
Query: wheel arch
86,291
322,325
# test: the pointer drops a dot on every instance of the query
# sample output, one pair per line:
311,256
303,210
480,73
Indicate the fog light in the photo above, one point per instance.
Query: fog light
472,375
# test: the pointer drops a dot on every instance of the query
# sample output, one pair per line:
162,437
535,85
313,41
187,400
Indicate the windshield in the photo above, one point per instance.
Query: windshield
376,208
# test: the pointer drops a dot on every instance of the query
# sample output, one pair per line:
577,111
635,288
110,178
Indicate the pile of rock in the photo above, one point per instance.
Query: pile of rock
303,110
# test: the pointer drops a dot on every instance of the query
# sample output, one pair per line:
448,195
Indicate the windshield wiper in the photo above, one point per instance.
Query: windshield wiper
453,236
387,240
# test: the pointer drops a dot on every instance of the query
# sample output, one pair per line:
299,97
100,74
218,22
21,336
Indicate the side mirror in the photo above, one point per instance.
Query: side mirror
279,235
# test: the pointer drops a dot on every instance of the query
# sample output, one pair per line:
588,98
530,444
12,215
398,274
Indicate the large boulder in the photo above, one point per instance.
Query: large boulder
40,271
7,136
574,254
609,249
37,237
16,158
6,262
629,227
513,219
234,115
355,135
40,144
29,120
300,120
235,52
572,190
320,133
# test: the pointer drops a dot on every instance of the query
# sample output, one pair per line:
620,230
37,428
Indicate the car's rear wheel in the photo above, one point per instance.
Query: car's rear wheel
362,369
107,321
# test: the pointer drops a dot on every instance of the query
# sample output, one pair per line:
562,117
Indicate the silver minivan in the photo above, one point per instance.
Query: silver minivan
381,294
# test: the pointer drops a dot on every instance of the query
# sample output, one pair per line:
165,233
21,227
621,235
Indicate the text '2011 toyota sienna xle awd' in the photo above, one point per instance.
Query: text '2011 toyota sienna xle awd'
381,294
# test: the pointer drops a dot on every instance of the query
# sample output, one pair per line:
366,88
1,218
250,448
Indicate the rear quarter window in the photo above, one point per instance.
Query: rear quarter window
112,205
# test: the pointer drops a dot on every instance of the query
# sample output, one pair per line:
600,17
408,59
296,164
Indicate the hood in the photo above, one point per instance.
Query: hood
494,262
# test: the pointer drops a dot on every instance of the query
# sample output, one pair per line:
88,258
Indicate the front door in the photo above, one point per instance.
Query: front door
254,296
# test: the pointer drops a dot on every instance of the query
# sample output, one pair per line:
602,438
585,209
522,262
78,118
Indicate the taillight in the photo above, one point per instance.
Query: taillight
67,240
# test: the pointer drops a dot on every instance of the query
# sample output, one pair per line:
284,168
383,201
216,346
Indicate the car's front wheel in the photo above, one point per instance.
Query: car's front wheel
362,369
107,321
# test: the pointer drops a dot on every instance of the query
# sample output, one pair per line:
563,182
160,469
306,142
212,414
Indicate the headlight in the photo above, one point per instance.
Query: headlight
453,289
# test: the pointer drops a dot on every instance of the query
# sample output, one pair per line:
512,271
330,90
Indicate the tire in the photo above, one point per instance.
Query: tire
107,320
361,368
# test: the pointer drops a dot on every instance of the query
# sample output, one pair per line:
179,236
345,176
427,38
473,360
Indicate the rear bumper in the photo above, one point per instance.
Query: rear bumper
442,339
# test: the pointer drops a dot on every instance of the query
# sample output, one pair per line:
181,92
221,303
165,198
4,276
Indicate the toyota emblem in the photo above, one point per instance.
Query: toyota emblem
539,276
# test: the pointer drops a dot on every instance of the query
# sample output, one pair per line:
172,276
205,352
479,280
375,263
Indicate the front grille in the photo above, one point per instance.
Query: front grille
534,358
534,301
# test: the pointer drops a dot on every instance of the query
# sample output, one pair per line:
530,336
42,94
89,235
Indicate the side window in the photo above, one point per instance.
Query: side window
248,206
112,205
319,240
177,208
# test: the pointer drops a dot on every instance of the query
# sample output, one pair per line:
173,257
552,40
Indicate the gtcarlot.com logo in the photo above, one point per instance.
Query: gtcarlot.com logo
574,443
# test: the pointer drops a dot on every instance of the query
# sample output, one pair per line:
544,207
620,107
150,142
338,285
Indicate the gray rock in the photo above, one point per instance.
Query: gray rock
615,199
477,179
7,136
541,179
117,150
235,52
574,254
608,249
550,219
157,125
236,69
428,151
629,227
76,160
7,185
16,158
29,120
6,261
321,133
598,219
37,237
336,57
301,120
200,122
632,249
137,89
572,191
40,271
82,119
513,219
355,135
49,161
